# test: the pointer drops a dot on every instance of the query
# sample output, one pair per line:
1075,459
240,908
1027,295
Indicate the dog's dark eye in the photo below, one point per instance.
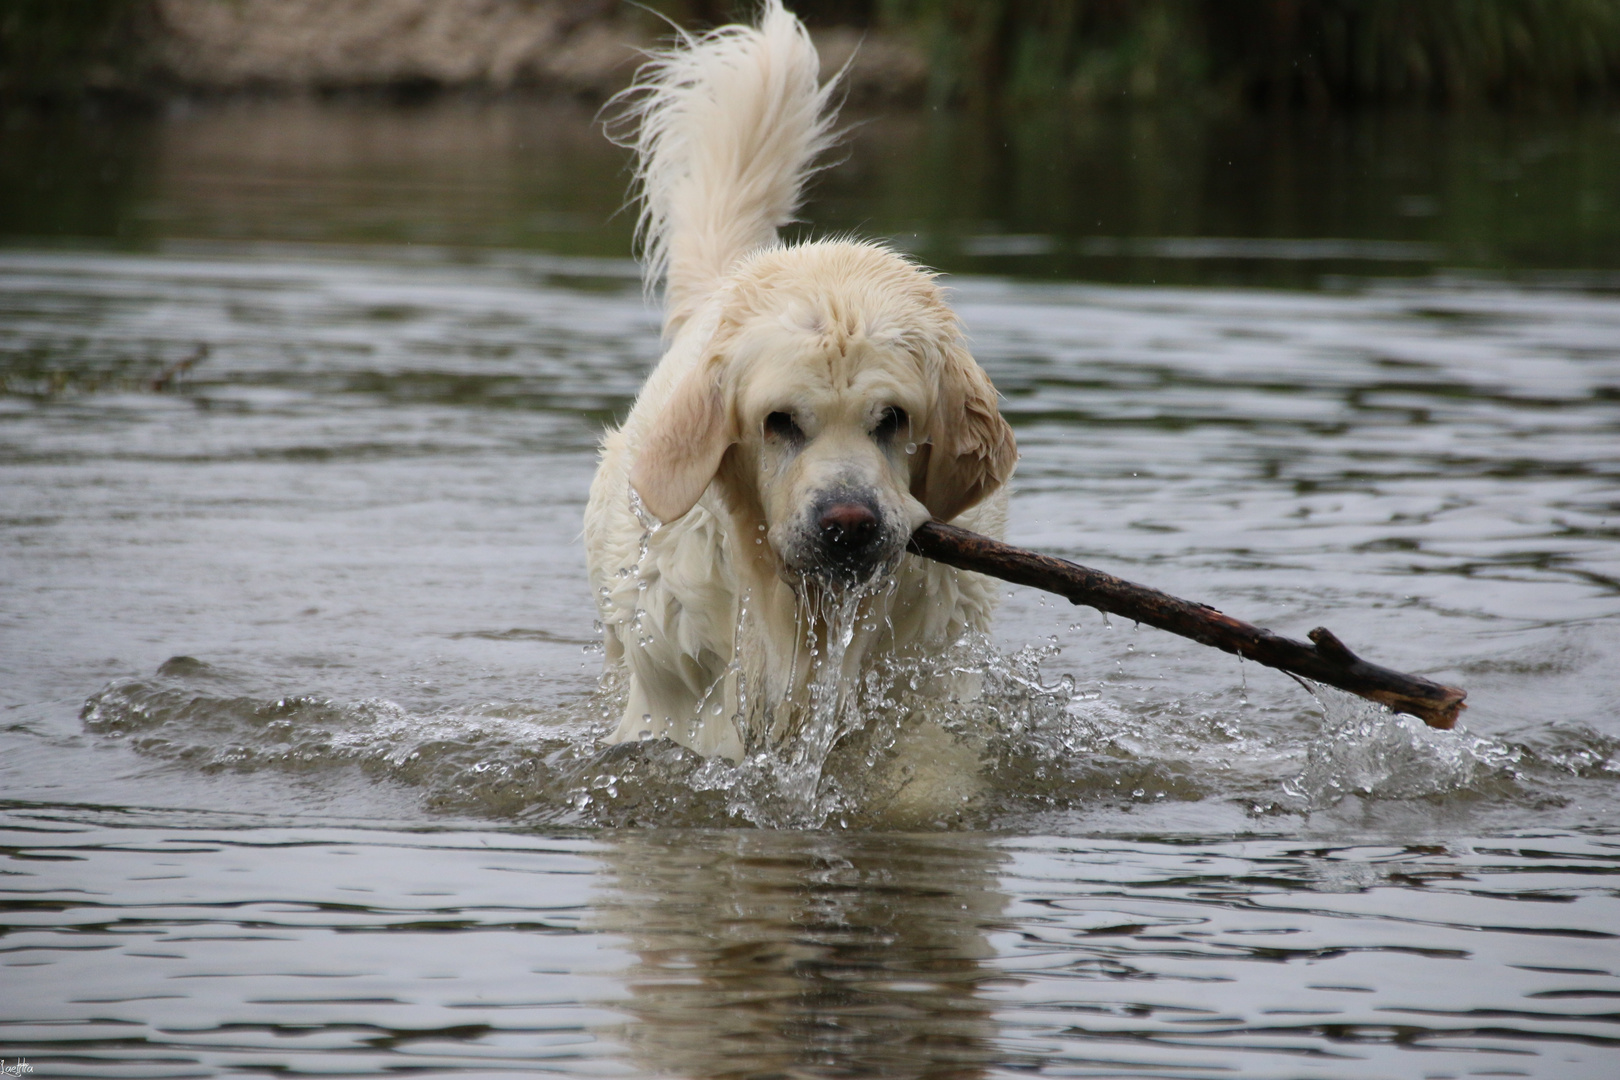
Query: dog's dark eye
889,424
782,426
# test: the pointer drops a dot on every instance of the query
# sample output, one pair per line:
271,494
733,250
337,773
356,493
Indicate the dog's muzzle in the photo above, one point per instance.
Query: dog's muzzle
849,536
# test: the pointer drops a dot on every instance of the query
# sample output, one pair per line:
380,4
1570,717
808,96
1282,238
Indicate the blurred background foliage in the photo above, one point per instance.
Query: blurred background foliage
992,53
1323,53
52,49
1309,52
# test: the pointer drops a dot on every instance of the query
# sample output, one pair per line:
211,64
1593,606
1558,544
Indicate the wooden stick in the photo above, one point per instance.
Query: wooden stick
1326,660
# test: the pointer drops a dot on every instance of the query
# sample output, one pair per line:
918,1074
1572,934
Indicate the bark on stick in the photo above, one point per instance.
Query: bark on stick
1325,660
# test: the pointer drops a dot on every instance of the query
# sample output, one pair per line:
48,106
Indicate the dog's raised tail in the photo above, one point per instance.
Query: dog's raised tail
726,127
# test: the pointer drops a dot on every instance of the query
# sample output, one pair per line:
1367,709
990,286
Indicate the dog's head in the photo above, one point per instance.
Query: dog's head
837,406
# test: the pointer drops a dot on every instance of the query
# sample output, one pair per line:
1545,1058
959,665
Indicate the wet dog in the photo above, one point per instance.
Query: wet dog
746,531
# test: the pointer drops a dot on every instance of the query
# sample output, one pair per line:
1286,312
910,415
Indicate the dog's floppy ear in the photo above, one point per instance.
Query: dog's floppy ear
682,450
973,449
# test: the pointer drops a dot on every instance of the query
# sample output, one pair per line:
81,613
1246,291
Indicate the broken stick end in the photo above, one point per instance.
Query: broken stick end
1433,703
1443,715
1438,710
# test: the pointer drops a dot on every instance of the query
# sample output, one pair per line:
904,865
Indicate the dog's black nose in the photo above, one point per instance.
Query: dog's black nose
848,529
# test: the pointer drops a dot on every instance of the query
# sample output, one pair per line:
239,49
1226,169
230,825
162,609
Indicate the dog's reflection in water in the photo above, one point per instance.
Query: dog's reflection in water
796,953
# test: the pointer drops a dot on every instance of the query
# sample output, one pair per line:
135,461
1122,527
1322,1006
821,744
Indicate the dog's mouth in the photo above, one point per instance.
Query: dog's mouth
845,541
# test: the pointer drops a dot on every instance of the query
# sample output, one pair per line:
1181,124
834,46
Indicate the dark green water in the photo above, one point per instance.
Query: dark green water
300,770
1167,197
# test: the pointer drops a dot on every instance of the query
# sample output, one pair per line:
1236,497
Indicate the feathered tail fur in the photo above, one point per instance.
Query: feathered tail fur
726,127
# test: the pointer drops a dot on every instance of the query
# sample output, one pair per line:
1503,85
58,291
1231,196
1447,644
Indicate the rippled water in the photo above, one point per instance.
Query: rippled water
301,703
168,951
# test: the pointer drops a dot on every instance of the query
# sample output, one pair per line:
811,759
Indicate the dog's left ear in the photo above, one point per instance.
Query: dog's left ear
973,449
681,452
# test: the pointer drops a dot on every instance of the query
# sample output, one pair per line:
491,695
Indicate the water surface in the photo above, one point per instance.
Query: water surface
300,684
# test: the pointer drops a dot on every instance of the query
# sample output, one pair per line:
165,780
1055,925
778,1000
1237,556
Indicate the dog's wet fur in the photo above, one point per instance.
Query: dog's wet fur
817,402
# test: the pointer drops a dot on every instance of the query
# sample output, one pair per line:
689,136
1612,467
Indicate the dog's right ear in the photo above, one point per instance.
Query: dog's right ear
681,452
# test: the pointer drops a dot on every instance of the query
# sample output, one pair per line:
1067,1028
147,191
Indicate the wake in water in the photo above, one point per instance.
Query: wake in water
883,753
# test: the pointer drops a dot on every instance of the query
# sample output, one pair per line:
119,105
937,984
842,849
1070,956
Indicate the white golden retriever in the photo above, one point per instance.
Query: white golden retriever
747,526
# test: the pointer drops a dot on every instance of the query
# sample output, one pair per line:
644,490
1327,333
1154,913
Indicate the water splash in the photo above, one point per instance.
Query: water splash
970,737
783,780
1364,749
830,618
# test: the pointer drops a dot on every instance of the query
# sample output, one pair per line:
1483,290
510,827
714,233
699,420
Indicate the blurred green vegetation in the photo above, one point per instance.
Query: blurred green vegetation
1342,53
1019,53
1324,53
54,49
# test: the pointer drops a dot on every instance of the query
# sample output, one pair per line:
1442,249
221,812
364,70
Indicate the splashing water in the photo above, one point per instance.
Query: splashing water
1363,749
829,618
970,737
